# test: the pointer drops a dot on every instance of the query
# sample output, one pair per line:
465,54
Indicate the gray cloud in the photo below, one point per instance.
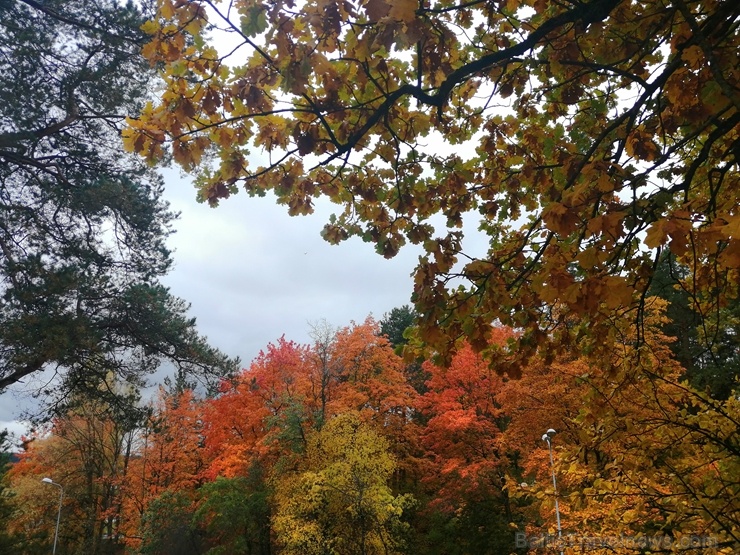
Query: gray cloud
253,273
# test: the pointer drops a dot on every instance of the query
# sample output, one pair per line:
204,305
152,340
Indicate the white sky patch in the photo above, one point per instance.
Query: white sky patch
253,273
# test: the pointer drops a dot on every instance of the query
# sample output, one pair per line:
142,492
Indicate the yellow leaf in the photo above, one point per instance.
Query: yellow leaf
150,50
693,55
588,258
629,516
150,27
195,25
166,9
656,234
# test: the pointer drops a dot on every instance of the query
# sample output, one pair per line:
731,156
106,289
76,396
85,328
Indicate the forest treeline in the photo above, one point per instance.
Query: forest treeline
343,447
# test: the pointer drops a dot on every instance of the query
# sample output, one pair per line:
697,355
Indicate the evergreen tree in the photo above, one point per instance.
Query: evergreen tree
395,323
82,226
705,341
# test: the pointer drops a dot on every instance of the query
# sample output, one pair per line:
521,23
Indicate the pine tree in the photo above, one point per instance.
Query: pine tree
82,226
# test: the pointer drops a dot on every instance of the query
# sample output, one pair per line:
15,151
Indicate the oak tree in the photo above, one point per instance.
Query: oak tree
585,138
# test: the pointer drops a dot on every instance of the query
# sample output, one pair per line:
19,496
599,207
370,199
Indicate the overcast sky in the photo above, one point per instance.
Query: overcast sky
253,273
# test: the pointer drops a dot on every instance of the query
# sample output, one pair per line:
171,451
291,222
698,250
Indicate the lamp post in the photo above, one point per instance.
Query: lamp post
59,512
547,437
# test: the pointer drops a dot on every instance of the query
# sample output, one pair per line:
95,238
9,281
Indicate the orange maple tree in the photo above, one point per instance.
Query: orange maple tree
170,458
248,421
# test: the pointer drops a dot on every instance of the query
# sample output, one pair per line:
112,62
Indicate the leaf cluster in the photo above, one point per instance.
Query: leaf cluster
585,138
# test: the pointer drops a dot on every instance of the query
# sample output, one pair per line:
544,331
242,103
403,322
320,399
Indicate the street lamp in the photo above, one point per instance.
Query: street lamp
547,437
59,512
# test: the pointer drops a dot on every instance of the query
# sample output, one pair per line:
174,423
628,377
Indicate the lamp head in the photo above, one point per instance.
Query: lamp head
47,480
547,436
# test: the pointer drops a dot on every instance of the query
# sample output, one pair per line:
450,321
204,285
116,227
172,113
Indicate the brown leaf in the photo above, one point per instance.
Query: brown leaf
377,9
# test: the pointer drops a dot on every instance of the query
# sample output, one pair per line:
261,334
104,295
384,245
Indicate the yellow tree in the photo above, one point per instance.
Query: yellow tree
646,462
339,502
586,137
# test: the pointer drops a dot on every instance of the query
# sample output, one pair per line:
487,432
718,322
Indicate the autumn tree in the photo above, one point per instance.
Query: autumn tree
586,138
262,414
466,457
371,380
257,432
355,368
264,432
669,455
88,452
169,465
267,412
82,225
340,501
369,373
639,453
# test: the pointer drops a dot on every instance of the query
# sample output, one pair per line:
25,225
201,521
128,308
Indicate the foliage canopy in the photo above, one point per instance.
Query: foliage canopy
461,468
586,136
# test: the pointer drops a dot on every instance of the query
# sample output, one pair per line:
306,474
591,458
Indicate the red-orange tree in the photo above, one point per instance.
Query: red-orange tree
586,136
261,414
170,461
